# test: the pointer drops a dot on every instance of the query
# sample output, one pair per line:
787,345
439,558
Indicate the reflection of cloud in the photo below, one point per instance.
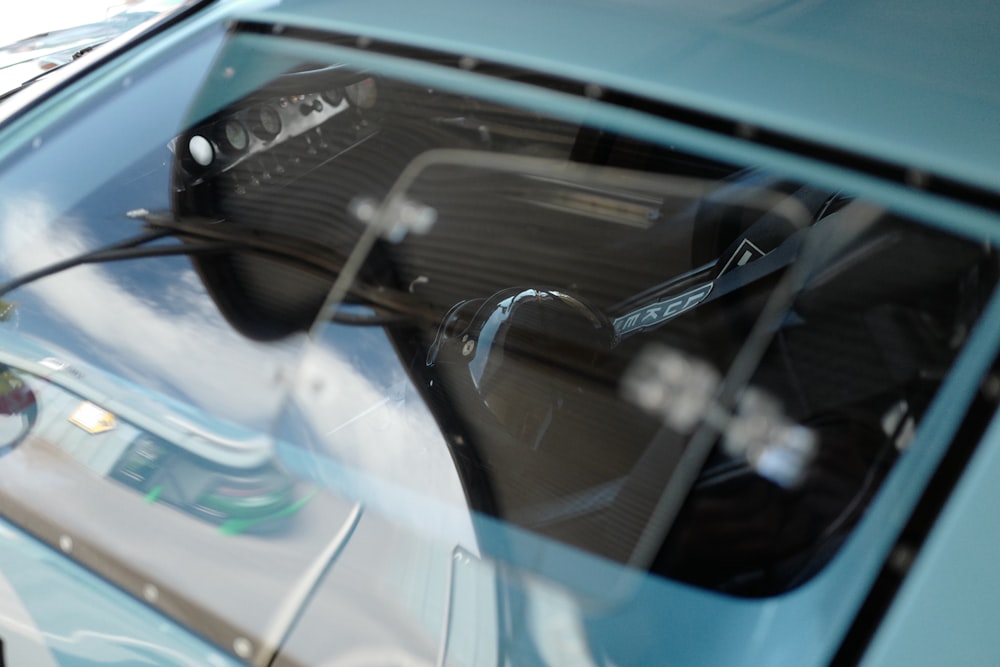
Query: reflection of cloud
355,391
49,15
378,424
24,220
188,346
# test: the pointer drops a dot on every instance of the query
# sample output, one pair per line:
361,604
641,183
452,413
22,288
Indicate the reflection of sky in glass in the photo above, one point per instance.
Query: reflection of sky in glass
152,322
156,327
367,415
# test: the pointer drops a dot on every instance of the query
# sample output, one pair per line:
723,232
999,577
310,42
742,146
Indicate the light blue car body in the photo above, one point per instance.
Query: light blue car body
911,85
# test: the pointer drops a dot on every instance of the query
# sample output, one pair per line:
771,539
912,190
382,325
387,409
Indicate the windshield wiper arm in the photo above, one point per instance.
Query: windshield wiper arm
218,237
131,248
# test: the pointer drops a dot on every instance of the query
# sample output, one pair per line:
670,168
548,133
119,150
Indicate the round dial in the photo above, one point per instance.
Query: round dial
201,151
334,96
266,122
233,136
363,94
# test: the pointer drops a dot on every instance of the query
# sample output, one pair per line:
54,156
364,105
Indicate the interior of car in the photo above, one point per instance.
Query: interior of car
529,269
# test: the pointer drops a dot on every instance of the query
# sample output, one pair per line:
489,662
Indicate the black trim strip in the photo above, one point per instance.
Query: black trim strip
915,532
912,178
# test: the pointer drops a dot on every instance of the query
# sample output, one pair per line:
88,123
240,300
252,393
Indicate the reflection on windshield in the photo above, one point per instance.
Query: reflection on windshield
213,470
373,344
150,339
618,357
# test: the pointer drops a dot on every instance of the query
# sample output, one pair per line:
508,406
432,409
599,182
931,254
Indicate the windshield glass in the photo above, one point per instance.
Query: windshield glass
40,42
373,342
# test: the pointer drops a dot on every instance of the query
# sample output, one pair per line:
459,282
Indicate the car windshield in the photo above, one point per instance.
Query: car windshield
316,308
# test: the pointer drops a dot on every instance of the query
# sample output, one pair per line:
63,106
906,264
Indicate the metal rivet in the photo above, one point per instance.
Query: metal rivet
364,42
745,131
901,558
242,647
991,387
917,178
150,593
468,62
593,91
468,348
66,543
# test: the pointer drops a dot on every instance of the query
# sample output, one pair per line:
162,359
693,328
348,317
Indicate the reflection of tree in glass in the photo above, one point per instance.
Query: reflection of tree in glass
7,310
18,408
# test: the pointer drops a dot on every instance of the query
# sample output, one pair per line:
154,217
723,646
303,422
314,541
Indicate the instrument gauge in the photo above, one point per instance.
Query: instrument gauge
265,123
363,94
232,136
333,96
201,151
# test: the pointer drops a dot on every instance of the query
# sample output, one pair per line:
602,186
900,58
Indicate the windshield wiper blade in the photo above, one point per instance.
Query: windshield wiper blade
198,237
389,305
131,248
